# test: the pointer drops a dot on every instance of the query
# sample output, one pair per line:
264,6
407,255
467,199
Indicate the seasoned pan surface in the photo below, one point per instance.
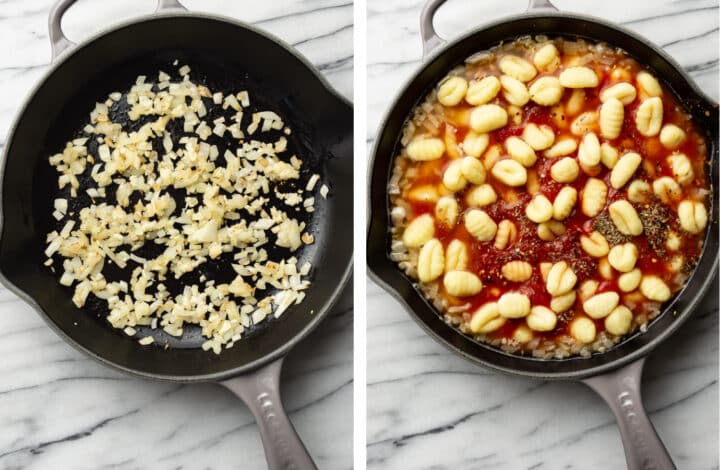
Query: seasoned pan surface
224,56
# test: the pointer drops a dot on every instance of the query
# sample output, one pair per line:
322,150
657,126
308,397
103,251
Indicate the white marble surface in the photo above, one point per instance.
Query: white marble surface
428,408
61,410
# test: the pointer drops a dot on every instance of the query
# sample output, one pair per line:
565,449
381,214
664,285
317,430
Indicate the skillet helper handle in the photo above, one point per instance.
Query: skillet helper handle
260,390
429,35
60,43
621,390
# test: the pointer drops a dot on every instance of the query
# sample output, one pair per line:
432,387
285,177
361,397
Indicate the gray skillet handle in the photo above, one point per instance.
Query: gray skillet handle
430,37
260,390
59,42
621,390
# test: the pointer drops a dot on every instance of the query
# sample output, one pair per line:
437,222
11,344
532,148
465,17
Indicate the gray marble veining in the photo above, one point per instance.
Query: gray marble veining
61,410
428,408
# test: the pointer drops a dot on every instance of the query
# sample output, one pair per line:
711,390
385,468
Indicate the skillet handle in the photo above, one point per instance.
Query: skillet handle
621,390
430,37
59,42
260,390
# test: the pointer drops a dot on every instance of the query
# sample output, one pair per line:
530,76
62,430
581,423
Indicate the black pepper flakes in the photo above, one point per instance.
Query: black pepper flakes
655,217
605,225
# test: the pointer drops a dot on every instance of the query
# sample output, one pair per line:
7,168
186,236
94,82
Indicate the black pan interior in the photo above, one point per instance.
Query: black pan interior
386,272
225,57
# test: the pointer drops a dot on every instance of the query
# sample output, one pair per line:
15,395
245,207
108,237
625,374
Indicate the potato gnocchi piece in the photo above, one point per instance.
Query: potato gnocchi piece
649,117
514,305
452,91
451,145
624,169
583,330
473,170
514,91
564,203
673,242
623,257
561,279
509,172
605,270
619,321
520,151
589,150
419,231
550,230
655,288
431,261
481,196
506,235
667,189
483,91
541,319
475,144
453,178
546,91
600,305
623,92
517,271
595,244
579,77
671,136
539,209
629,281
522,334
575,103
563,303
488,117
538,137
566,170
693,216
625,218
462,283
612,115
422,149
456,256
587,289
545,268
486,319
480,225
517,68
564,146
547,58
648,84
584,123
639,192
593,197
425,193
682,168
447,211
608,155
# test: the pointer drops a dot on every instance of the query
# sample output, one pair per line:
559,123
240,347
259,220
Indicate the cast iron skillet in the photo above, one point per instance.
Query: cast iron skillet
227,55
615,374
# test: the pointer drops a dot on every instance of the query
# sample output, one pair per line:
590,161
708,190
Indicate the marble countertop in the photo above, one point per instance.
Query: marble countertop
428,408
62,410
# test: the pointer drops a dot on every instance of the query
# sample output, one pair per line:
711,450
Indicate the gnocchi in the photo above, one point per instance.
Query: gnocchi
514,305
452,91
546,91
431,261
543,198
486,319
488,117
479,224
482,91
625,218
510,172
462,283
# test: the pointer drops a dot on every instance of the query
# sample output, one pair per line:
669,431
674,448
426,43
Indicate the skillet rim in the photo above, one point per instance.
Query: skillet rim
377,260
59,61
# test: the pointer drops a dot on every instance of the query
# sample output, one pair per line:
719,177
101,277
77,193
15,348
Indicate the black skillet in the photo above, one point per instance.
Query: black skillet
226,55
615,374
